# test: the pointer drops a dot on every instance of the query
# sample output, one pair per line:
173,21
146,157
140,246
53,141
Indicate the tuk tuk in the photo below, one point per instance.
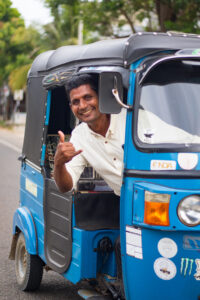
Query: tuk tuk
156,78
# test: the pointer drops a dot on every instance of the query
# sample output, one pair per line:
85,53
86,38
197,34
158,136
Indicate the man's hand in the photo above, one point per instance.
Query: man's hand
65,151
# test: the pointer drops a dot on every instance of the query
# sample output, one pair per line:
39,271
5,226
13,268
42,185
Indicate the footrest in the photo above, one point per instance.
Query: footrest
92,295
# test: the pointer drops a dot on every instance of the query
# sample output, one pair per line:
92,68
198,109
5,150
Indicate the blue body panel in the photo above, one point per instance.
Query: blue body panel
143,276
31,196
23,221
30,220
85,261
140,277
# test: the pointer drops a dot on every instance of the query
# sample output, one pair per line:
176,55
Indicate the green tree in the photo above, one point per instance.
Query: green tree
10,21
64,29
18,46
180,15
28,43
106,18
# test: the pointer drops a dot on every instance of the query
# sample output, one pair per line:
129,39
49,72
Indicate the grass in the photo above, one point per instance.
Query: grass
4,124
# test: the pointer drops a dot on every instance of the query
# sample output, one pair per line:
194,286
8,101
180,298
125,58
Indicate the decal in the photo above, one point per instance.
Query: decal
186,266
191,264
134,242
196,52
164,268
191,242
31,187
148,135
187,161
163,165
197,274
167,248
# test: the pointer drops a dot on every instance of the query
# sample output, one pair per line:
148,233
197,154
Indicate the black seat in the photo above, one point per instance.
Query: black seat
94,211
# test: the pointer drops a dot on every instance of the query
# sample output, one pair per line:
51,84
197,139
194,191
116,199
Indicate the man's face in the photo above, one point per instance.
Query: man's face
84,104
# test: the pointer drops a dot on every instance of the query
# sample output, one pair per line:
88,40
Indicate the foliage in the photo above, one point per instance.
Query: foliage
101,19
179,15
64,29
18,77
107,18
18,46
10,21
5,125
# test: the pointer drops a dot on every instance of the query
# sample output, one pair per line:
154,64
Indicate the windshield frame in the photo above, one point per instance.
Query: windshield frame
157,147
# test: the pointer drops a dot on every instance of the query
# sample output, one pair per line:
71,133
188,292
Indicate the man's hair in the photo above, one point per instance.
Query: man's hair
78,80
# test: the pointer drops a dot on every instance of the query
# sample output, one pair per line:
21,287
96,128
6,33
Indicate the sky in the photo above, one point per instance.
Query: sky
33,11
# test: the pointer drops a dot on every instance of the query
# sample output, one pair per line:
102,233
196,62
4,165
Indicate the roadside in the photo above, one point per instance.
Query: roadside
12,137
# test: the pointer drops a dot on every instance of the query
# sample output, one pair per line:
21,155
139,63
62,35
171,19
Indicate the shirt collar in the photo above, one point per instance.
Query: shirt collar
111,128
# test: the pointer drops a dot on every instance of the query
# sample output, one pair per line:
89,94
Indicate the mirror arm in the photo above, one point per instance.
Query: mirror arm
116,95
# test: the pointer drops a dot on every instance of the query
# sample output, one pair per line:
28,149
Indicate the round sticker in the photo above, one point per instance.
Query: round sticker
187,161
167,248
164,268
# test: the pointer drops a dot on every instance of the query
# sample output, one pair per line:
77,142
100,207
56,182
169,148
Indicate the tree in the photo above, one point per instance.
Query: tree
64,29
180,15
10,21
107,18
16,42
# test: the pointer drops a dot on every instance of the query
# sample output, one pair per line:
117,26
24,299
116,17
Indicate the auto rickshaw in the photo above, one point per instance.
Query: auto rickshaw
156,78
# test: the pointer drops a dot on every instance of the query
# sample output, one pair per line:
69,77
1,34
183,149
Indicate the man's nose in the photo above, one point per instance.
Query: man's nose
82,104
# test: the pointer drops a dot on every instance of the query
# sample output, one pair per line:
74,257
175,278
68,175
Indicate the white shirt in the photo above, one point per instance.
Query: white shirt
104,154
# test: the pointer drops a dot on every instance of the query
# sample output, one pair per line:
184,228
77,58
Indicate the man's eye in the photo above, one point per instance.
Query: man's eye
75,102
88,97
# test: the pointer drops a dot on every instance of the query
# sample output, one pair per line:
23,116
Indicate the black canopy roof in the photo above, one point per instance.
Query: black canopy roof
112,52
118,53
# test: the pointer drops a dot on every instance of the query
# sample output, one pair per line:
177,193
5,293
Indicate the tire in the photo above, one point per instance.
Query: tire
28,268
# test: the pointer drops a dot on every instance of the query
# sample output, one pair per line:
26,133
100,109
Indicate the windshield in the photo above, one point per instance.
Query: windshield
169,105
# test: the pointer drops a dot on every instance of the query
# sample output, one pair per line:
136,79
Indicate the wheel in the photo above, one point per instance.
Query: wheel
28,268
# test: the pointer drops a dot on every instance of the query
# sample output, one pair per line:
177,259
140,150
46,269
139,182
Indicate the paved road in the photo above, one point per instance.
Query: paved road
53,286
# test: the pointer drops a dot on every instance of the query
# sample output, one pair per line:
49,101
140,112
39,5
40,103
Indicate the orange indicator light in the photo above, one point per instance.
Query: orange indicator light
156,211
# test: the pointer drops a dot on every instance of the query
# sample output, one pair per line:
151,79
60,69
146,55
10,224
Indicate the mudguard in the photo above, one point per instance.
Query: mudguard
24,221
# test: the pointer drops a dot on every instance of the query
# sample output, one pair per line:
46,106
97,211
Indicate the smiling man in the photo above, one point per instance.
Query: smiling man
97,141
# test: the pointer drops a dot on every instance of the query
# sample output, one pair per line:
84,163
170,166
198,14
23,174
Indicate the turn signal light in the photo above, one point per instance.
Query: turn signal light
156,210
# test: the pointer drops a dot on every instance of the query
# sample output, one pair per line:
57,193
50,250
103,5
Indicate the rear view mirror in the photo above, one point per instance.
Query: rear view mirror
107,101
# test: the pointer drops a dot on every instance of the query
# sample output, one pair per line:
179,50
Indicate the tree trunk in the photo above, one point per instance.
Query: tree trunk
165,12
125,14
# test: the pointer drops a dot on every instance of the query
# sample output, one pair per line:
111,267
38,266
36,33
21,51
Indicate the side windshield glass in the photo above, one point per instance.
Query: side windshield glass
169,104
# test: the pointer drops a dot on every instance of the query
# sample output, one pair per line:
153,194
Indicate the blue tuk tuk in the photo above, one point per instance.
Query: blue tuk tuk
156,78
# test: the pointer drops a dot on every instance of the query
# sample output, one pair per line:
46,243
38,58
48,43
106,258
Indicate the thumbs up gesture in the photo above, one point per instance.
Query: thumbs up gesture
61,136
65,151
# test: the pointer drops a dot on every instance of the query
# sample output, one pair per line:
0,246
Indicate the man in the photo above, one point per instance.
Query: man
97,141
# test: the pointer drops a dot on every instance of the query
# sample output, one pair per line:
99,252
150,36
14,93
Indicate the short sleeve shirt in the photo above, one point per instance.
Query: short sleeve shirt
104,154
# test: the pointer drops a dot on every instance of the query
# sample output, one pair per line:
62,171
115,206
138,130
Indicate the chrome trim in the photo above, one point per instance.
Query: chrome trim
174,57
32,165
116,95
100,69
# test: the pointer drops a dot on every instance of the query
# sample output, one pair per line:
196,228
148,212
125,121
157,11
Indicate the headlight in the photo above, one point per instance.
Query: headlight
189,210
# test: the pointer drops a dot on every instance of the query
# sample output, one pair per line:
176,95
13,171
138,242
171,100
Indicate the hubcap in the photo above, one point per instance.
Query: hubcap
22,261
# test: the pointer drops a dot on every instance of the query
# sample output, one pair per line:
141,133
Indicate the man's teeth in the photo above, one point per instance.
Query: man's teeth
86,112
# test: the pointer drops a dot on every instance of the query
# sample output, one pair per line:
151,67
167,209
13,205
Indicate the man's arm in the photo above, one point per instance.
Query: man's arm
64,153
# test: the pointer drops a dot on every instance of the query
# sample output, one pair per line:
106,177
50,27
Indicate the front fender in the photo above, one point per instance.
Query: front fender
23,220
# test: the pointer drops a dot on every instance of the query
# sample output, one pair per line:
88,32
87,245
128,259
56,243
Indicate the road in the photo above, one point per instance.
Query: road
53,286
